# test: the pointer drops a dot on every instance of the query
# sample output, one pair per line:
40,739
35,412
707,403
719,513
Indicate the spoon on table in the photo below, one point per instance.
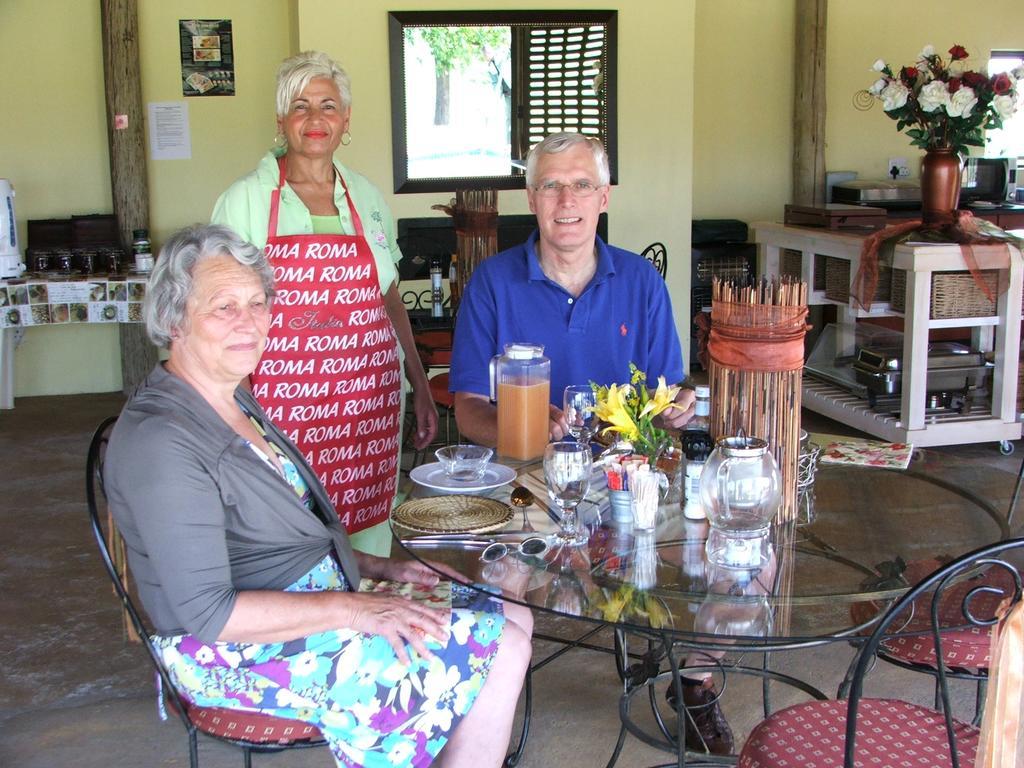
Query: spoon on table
523,498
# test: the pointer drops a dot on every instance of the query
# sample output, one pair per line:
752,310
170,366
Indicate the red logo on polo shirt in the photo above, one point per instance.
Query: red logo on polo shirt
622,329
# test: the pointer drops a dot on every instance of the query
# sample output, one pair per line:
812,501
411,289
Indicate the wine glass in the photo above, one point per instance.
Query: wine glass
578,405
567,468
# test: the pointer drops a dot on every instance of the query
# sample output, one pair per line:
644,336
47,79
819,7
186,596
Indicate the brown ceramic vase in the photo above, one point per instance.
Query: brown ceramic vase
940,185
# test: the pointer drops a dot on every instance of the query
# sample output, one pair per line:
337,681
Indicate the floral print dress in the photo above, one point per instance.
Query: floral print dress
371,709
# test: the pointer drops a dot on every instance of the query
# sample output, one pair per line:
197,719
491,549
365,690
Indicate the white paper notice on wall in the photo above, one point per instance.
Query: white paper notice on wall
169,135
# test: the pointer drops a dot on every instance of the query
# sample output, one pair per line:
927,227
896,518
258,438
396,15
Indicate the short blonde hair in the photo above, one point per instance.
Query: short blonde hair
295,73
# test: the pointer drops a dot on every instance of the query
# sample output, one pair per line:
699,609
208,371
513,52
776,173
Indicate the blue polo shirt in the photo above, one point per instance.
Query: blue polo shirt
624,315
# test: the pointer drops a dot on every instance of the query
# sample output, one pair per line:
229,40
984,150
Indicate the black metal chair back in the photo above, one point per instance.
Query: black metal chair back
657,254
106,541
953,574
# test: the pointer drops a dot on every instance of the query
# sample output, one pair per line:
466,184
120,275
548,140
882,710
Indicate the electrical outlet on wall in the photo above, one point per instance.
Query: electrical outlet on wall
897,168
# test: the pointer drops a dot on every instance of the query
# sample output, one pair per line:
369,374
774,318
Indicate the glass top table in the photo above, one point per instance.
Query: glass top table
859,528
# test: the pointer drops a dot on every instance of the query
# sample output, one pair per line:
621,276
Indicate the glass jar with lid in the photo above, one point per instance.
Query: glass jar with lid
740,489
143,250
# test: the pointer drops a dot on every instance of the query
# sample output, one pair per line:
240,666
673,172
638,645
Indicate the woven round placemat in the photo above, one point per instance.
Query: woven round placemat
453,514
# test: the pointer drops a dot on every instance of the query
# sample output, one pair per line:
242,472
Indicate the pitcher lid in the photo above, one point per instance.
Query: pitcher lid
521,351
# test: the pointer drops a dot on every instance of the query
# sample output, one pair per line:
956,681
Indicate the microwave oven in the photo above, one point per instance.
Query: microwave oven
988,178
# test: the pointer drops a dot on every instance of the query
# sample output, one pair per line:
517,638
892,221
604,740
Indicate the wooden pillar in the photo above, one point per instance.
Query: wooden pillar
809,103
128,182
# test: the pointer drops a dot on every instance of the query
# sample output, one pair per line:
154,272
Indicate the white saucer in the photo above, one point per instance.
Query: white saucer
433,476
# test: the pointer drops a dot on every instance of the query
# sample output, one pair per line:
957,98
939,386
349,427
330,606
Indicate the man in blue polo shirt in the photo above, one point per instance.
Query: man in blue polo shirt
594,307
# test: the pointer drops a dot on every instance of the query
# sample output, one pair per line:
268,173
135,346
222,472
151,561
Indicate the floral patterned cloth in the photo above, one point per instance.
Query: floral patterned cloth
372,710
868,453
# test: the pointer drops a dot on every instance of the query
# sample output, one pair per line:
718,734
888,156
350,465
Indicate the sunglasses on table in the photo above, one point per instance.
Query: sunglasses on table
531,547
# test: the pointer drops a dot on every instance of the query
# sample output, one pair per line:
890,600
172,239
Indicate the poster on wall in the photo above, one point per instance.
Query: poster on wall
207,57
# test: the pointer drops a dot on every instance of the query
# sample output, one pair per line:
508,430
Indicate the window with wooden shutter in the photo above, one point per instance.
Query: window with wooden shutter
562,84
558,74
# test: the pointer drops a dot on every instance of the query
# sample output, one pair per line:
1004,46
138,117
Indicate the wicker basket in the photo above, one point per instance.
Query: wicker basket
791,263
819,272
837,280
898,294
956,294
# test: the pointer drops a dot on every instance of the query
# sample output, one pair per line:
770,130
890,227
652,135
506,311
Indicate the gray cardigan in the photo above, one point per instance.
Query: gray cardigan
202,515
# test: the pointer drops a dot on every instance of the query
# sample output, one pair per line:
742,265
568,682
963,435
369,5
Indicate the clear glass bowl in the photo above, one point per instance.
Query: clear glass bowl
464,462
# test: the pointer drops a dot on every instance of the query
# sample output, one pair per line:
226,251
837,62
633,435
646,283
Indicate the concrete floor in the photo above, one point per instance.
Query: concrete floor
72,692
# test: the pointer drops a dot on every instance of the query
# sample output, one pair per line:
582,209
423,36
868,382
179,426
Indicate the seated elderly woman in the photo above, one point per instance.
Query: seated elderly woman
246,573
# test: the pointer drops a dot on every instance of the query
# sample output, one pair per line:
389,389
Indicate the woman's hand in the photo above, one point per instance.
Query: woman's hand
399,621
426,417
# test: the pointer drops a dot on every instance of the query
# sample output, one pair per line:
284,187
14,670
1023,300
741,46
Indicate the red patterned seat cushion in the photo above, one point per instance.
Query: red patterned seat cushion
966,648
890,734
251,726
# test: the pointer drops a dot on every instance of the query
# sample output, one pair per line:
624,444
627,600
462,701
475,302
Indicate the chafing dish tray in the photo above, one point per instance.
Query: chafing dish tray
951,367
877,193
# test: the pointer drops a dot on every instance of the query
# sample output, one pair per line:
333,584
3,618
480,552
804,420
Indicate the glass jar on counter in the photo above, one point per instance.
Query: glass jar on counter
143,250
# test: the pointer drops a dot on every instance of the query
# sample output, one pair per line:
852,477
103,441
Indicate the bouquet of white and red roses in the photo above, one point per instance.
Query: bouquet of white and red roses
943,104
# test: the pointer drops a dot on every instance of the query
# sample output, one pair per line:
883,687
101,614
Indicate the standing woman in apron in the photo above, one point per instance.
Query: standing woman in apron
331,373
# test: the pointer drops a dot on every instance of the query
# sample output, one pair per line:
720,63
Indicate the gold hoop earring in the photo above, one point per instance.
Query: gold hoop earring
345,135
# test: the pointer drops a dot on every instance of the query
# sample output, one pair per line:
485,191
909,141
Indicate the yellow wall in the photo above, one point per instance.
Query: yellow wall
743,109
54,151
655,56
68,156
861,32
716,142
229,133
54,146
743,90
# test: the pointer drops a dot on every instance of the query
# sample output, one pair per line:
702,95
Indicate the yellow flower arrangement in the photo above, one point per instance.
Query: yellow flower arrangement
629,411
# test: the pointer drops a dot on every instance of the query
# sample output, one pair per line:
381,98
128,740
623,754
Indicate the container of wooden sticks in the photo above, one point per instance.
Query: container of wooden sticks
756,351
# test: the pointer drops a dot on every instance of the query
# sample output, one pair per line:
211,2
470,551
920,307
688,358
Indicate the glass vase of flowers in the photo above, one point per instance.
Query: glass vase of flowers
945,108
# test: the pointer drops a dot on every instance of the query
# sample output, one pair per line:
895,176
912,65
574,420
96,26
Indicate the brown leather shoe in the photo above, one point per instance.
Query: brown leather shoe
707,730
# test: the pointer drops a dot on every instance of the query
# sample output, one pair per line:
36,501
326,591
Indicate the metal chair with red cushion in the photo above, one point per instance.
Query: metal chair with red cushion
250,731
890,732
965,650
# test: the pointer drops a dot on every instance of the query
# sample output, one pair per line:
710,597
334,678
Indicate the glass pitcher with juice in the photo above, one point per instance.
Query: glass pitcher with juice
521,386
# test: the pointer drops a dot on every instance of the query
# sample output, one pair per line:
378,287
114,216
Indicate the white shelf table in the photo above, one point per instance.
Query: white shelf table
999,334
